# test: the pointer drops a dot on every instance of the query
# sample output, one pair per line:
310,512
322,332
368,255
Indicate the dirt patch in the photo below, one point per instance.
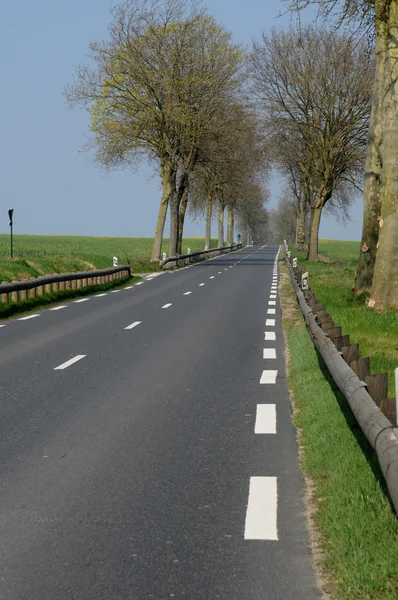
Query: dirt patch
324,258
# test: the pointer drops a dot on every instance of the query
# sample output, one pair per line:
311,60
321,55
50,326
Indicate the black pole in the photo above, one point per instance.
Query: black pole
10,213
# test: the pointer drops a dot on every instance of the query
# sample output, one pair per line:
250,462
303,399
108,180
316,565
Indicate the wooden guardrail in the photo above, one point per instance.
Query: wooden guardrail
351,375
194,257
18,291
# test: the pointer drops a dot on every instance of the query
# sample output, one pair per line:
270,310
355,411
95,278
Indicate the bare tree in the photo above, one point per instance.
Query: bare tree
314,87
378,264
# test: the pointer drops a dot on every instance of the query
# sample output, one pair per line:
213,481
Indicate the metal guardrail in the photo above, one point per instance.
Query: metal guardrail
193,257
377,429
17,291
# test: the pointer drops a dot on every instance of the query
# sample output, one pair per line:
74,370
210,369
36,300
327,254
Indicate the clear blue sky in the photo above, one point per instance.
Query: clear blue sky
54,188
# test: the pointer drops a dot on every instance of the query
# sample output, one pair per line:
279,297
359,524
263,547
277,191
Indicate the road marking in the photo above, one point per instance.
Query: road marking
201,284
139,283
212,277
101,295
167,305
270,323
265,419
28,317
2,325
81,300
220,272
271,302
152,278
58,307
70,362
187,293
133,325
261,515
268,376
130,287
271,311
269,353
115,291
273,296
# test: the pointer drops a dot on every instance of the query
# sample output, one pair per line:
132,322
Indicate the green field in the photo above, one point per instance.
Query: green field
332,282
40,255
340,252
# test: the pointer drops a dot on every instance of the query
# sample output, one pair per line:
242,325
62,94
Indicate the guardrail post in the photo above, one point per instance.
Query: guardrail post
14,296
396,392
305,281
4,296
32,293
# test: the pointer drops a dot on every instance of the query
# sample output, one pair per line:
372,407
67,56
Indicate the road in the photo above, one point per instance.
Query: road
146,444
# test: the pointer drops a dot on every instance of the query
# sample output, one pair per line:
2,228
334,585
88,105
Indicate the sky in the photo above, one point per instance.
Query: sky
53,186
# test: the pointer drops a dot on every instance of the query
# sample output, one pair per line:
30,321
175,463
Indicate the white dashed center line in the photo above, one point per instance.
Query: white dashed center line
261,515
167,305
133,325
265,419
212,277
201,285
187,293
70,362
268,376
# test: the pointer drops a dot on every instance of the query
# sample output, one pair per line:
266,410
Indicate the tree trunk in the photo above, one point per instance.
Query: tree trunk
309,233
221,224
300,227
209,210
175,203
173,225
181,218
385,279
167,178
373,167
231,226
316,221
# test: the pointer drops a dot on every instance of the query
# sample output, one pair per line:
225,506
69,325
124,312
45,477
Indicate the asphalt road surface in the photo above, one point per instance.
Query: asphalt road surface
146,444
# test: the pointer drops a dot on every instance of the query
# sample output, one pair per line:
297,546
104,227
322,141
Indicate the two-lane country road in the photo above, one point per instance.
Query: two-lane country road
146,444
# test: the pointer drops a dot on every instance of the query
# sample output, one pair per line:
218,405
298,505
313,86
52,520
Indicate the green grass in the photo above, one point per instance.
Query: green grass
25,306
340,251
376,333
351,511
41,255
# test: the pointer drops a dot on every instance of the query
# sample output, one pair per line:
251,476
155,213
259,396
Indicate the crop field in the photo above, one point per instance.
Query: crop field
340,251
39,255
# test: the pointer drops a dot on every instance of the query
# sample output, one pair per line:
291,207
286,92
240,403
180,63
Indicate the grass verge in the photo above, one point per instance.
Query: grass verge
358,531
45,254
332,282
15,308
